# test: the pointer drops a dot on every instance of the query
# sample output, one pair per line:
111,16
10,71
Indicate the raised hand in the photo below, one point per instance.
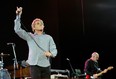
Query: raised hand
19,10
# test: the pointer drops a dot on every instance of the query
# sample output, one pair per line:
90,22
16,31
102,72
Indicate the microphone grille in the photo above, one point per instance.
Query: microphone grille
67,59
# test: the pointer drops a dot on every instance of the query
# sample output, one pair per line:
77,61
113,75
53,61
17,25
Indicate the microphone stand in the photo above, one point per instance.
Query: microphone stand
15,60
73,72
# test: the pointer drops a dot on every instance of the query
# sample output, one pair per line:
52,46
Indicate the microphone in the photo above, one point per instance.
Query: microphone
73,72
10,43
67,59
19,10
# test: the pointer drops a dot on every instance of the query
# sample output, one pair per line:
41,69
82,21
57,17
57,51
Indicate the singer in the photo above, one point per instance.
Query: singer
41,46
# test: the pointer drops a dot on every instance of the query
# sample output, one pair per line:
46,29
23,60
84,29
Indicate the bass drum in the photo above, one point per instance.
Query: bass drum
4,74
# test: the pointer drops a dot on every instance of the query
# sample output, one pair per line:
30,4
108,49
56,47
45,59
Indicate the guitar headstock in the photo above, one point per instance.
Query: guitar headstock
110,67
105,70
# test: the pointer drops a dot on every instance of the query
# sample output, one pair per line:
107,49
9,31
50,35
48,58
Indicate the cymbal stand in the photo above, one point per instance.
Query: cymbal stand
73,71
1,61
15,60
1,67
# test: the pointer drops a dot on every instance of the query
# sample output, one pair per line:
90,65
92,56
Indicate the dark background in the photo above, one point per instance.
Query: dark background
79,27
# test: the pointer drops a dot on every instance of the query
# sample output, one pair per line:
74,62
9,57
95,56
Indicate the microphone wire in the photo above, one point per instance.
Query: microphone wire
30,35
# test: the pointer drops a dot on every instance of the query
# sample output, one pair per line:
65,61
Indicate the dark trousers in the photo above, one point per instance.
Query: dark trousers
38,72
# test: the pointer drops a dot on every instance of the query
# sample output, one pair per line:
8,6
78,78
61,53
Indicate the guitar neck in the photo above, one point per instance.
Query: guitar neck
105,70
100,73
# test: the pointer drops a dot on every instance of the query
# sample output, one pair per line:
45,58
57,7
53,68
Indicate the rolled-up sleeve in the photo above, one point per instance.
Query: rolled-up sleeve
53,48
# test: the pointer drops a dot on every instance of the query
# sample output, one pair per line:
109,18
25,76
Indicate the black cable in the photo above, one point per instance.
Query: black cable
31,36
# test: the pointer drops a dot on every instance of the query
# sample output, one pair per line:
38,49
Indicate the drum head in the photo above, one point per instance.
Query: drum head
4,74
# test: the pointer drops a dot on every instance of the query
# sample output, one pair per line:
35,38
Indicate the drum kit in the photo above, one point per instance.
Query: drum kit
4,74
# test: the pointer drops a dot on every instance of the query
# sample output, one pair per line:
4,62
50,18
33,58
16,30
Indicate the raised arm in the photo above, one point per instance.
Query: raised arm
17,25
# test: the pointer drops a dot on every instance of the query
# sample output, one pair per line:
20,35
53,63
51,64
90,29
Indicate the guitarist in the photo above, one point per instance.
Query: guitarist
91,67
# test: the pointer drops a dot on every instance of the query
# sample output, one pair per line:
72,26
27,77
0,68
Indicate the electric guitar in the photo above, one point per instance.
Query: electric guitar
102,72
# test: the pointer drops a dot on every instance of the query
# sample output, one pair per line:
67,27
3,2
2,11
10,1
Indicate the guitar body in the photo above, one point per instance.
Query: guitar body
89,77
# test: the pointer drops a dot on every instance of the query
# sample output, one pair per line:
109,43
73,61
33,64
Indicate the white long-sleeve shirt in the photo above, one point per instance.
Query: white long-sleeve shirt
36,54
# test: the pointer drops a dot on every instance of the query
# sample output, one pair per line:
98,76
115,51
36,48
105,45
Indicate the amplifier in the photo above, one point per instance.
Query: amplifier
59,76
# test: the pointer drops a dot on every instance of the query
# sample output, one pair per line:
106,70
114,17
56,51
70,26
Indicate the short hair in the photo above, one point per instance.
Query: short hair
94,54
33,23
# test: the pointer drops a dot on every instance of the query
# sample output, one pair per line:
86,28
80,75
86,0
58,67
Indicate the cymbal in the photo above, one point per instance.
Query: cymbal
4,54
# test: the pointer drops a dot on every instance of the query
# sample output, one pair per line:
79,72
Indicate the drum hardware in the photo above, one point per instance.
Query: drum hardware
2,55
15,64
3,72
59,74
1,62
